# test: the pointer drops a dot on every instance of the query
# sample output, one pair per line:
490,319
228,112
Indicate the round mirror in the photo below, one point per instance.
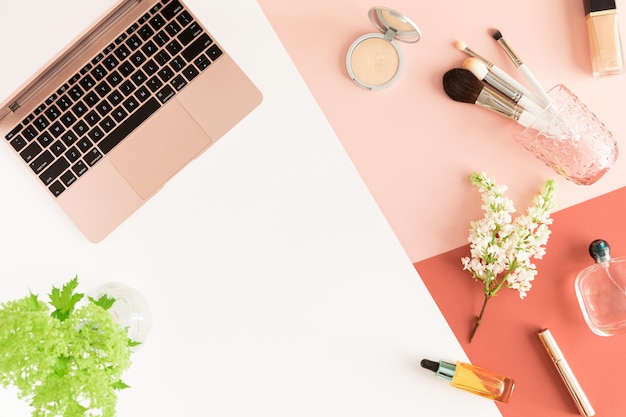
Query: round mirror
403,28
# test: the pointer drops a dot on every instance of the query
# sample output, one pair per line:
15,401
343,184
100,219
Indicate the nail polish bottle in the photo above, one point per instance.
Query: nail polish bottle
605,44
601,291
473,379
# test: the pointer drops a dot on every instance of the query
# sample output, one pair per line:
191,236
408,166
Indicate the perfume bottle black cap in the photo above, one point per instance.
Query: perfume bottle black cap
600,250
592,6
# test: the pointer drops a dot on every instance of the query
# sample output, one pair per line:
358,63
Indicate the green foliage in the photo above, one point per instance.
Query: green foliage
65,300
67,362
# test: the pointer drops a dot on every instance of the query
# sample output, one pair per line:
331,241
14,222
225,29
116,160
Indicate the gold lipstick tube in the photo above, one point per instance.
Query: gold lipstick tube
574,388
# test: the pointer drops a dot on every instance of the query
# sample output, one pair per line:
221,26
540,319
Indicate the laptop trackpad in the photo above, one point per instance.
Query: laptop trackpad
159,148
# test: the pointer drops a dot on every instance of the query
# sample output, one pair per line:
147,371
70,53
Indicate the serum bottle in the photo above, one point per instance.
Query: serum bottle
473,379
605,44
601,291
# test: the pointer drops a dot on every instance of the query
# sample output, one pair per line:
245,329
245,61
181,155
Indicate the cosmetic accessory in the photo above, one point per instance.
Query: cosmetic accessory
461,46
374,60
463,86
473,379
601,291
481,72
570,139
523,68
605,42
564,370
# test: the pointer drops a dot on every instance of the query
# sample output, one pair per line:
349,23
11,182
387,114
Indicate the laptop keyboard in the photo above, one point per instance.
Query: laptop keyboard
91,113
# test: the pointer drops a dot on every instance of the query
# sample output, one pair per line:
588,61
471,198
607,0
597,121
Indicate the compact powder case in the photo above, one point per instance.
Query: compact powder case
374,60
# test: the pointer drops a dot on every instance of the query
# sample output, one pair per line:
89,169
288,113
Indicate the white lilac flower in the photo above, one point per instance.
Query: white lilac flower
502,248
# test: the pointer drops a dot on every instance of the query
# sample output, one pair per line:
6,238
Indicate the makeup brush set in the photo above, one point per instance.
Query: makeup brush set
557,127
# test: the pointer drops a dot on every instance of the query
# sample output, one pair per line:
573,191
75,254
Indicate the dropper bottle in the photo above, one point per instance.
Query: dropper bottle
601,293
473,379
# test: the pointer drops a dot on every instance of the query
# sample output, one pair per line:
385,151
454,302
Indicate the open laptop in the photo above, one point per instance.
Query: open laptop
136,97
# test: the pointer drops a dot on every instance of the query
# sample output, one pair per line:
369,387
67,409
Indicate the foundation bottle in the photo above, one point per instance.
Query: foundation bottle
605,43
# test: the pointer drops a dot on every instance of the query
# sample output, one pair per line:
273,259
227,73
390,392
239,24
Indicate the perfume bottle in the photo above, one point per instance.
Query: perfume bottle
601,291
473,379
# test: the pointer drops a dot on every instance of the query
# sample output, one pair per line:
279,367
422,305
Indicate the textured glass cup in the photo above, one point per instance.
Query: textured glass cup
570,139
130,309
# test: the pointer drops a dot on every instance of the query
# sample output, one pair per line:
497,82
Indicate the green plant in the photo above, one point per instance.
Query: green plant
66,361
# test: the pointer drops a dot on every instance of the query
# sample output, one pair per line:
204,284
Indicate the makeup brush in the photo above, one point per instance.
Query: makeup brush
481,72
523,68
461,46
461,85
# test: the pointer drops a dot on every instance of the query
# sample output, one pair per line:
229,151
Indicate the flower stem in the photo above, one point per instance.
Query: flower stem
479,317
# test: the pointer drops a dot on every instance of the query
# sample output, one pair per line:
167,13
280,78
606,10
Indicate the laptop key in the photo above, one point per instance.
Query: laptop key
56,188
53,113
14,132
18,143
190,72
107,124
30,133
30,152
99,72
179,82
145,32
131,104
142,94
64,102
41,123
41,162
79,109
58,148
45,139
84,145
92,157
79,168
197,47
171,10
173,28
72,154
69,138
68,178
54,171
165,94
154,84
129,125
190,34
184,18
68,119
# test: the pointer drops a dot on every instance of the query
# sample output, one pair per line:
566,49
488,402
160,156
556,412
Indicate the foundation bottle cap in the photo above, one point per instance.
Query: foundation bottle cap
598,5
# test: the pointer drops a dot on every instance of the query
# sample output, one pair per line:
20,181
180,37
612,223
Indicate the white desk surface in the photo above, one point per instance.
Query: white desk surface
276,286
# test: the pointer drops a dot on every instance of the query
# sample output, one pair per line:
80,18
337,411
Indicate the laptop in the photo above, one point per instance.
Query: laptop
136,97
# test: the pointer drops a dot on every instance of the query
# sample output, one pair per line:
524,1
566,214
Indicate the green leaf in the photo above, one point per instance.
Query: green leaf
34,302
104,301
133,343
65,300
62,365
120,385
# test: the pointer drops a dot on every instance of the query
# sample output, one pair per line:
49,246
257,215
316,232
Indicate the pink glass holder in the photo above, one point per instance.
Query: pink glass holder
570,139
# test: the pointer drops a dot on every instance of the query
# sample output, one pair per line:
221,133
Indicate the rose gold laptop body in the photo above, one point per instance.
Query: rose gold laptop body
186,124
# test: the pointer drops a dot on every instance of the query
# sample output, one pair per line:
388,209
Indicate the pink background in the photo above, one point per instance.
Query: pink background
413,146
415,149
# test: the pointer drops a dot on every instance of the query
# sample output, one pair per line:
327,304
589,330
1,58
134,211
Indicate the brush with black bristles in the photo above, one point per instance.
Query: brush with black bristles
462,85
